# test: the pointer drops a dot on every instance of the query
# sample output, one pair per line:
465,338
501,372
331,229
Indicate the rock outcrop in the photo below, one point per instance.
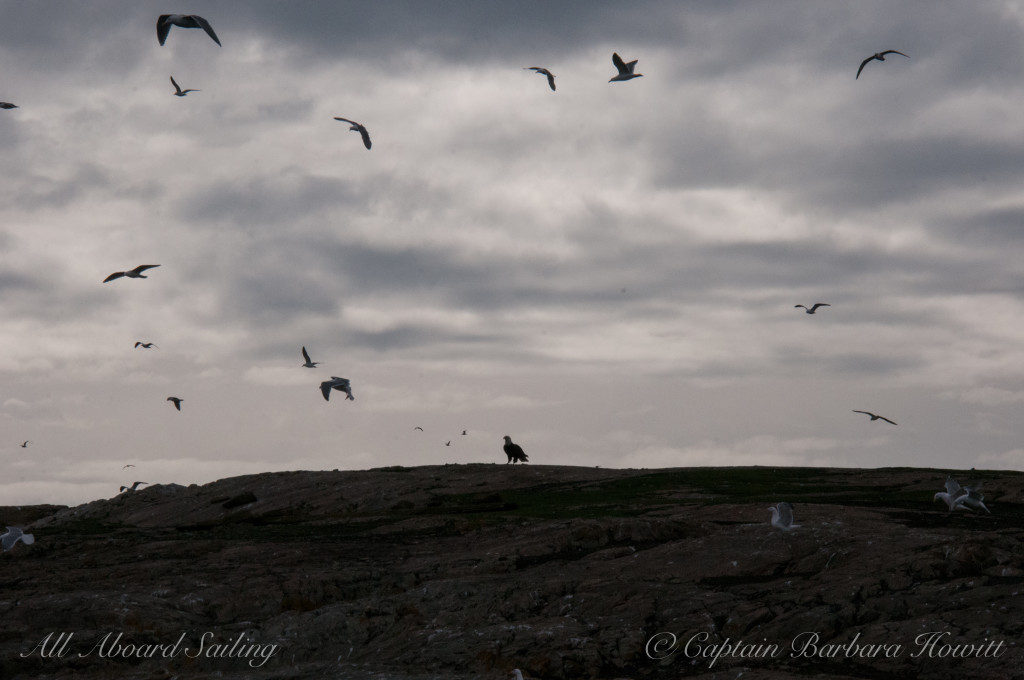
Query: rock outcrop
467,571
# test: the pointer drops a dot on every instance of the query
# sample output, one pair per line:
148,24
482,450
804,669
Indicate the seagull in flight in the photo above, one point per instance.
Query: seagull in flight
8,105
957,496
782,516
544,71
418,428
305,355
880,56
131,273
13,535
177,403
625,70
875,417
336,383
813,308
24,444
164,23
133,487
125,467
178,92
144,345
360,128
449,443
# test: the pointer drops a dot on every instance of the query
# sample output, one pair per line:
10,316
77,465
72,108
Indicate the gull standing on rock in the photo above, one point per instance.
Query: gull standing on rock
543,71
880,56
782,516
874,417
812,308
13,535
957,496
305,355
336,383
164,23
360,128
625,70
178,92
131,273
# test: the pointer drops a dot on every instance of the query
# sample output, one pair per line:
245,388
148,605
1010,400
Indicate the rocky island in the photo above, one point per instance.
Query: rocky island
469,571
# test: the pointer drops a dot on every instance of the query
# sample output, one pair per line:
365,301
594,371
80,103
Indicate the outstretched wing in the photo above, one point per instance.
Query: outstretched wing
115,275
325,388
895,52
176,88
820,304
305,355
163,27
205,25
366,136
619,64
862,65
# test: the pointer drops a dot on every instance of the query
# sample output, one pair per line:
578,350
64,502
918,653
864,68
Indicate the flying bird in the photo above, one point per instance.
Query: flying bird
514,452
336,383
24,444
13,535
782,516
418,428
125,467
177,402
957,496
133,487
360,128
813,308
145,345
549,74
178,92
880,56
305,355
874,417
463,432
8,105
164,23
625,70
449,443
132,273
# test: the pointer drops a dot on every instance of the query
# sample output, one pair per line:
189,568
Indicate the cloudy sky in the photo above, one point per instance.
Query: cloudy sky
607,273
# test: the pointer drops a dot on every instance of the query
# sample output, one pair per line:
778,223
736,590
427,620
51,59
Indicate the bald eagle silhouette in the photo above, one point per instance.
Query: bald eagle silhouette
514,452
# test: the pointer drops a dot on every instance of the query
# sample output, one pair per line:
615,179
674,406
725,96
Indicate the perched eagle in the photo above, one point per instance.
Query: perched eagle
514,452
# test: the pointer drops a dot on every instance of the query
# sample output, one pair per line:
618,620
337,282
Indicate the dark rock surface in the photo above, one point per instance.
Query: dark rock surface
468,571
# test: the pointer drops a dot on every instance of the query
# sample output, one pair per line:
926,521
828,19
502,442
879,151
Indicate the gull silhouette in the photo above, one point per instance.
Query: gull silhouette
360,128
145,345
164,23
336,383
880,56
131,273
813,308
544,71
874,417
24,444
8,105
178,92
133,487
305,355
177,402
625,70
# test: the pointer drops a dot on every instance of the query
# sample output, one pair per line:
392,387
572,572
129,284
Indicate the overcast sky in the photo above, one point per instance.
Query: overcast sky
607,273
